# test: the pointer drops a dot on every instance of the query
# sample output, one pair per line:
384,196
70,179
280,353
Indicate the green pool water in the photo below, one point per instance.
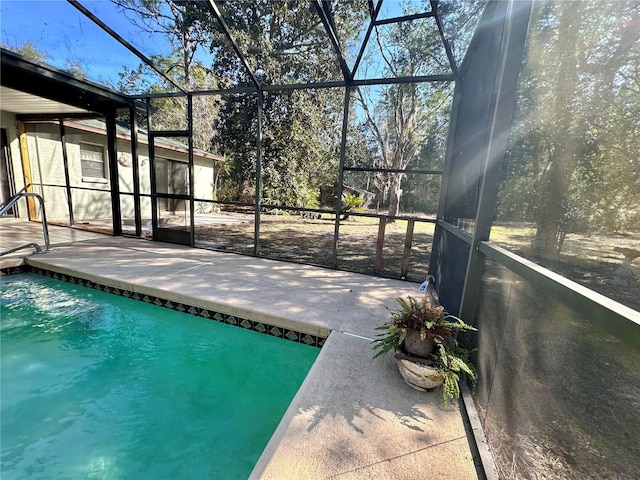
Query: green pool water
99,386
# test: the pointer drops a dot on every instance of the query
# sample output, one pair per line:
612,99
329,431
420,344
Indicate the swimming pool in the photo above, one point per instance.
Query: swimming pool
100,386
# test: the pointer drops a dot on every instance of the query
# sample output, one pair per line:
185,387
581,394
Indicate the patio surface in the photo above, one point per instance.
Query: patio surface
353,417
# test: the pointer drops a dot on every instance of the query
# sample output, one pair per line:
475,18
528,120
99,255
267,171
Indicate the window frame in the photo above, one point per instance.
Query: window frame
88,176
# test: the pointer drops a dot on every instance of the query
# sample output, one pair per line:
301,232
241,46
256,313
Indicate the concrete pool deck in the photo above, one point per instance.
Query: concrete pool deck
353,417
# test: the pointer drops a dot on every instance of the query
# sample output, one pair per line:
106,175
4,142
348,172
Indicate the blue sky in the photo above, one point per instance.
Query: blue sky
64,33
58,29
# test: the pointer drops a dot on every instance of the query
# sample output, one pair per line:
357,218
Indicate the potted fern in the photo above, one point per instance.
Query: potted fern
423,335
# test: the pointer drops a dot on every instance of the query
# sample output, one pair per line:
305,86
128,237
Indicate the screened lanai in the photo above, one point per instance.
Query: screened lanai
490,144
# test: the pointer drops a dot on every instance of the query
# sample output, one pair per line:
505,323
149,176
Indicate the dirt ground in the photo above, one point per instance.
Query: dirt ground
290,237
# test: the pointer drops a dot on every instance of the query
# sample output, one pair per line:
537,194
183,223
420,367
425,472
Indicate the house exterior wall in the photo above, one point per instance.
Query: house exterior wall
91,197
47,169
203,178
9,123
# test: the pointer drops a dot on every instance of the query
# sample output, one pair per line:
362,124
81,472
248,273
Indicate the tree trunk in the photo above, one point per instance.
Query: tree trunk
544,242
395,181
551,203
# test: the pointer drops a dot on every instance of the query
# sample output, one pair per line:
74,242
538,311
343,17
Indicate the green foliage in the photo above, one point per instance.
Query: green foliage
423,315
222,168
392,338
400,118
300,129
420,315
350,203
450,359
186,25
572,160
312,200
421,193
30,51
76,68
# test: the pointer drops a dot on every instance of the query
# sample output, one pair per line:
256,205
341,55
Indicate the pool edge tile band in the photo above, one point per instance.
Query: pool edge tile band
234,320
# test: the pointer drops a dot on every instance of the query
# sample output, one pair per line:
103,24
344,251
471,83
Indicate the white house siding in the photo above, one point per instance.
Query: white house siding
203,178
45,159
45,152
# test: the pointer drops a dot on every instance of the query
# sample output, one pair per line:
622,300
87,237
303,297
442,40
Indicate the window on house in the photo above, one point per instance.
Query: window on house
92,160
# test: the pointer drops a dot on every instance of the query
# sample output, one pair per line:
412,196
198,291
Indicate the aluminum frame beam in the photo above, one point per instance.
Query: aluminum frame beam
500,115
374,15
216,13
406,18
87,13
65,163
443,37
322,7
618,320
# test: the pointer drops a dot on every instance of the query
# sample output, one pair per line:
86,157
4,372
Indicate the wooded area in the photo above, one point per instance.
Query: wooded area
573,164
391,127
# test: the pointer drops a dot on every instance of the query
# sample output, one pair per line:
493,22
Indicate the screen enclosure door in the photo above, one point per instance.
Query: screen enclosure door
172,219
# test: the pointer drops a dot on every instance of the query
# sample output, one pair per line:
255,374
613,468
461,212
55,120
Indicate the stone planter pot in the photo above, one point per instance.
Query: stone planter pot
416,345
418,374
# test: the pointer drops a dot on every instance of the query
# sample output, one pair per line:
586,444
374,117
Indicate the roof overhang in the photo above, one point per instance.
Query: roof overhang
22,103
32,88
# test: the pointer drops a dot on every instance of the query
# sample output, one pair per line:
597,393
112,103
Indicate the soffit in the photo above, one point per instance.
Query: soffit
24,75
27,104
